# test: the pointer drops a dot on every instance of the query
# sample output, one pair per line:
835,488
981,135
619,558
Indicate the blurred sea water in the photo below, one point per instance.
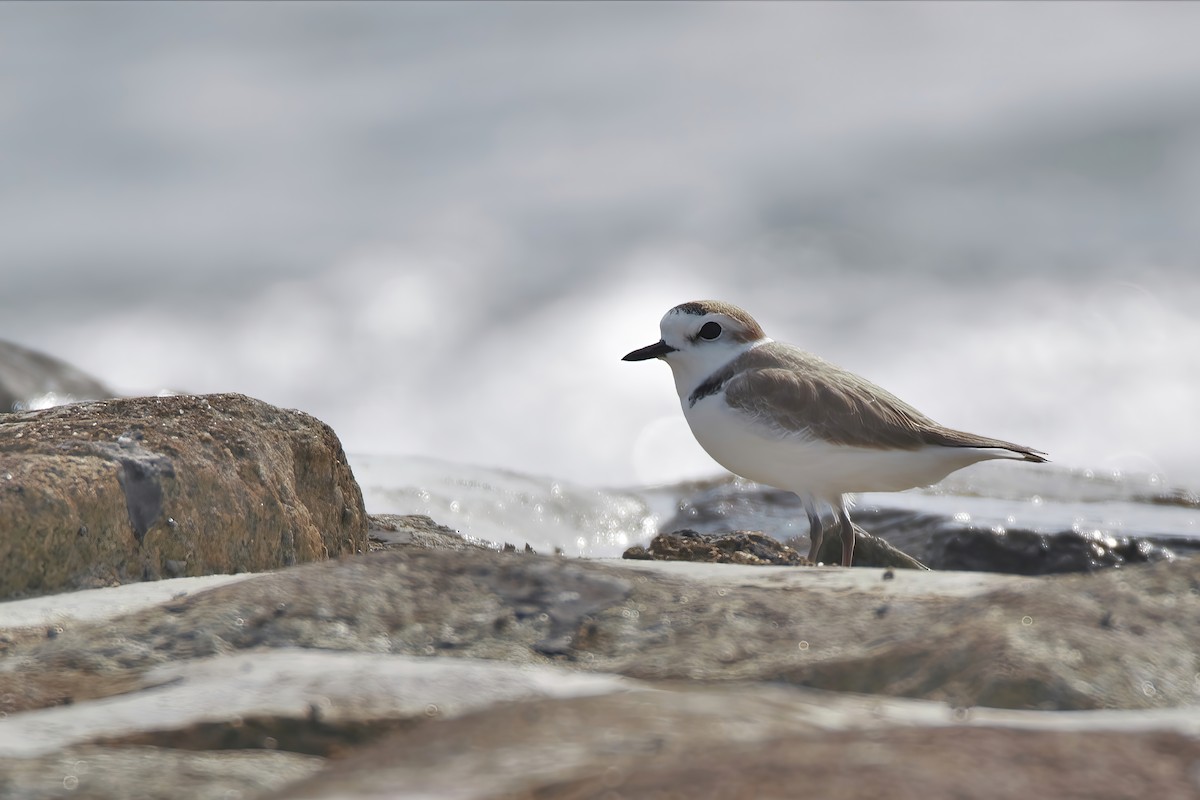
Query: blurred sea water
438,226
504,507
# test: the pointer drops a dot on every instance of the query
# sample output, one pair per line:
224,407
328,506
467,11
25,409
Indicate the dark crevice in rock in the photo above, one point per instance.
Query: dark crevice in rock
141,480
310,735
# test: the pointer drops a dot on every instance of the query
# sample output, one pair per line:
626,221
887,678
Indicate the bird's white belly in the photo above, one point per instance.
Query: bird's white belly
806,465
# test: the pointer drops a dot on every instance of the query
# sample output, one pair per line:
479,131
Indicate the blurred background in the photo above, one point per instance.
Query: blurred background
439,226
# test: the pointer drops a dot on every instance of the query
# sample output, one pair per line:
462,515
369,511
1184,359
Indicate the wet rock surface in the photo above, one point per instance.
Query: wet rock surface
937,541
951,544
94,494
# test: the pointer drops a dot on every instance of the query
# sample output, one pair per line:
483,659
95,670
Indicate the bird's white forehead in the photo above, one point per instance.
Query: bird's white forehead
675,322
684,319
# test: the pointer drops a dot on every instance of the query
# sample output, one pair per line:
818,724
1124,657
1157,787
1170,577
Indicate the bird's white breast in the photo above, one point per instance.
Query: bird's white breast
804,464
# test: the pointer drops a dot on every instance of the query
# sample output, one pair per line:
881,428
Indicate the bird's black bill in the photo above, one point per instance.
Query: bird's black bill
656,350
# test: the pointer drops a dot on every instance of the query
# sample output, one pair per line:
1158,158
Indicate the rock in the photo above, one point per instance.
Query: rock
61,610
152,773
717,506
397,726
748,742
947,543
389,531
573,678
101,493
755,547
869,551
23,692
29,378
1109,640
738,547
930,540
310,701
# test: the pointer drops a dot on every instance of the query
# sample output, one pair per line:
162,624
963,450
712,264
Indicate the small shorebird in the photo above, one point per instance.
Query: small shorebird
778,415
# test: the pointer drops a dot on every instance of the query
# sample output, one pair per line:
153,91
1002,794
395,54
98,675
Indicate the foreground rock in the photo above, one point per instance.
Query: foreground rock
28,378
124,490
152,773
271,696
751,743
1112,640
543,739
573,678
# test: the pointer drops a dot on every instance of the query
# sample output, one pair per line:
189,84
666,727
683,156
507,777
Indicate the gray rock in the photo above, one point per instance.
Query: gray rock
929,539
947,543
1110,640
28,377
308,701
151,773
94,494
743,741
552,732
394,661
389,531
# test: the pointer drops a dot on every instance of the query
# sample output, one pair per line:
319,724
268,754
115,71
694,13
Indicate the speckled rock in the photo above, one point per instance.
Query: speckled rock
949,543
1109,640
757,548
94,494
736,547
572,678
391,531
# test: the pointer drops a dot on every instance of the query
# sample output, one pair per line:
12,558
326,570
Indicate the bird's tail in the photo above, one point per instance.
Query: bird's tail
947,437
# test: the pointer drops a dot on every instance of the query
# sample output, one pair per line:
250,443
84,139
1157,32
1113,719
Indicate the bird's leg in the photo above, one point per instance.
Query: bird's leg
847,531
816,527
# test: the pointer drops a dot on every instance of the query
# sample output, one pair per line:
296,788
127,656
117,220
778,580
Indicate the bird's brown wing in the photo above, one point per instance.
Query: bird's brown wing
825,402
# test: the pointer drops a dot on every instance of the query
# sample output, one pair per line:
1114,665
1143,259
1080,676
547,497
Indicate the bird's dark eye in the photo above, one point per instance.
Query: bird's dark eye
710,331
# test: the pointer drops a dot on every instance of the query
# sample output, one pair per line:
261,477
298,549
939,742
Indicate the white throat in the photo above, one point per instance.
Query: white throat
693,367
